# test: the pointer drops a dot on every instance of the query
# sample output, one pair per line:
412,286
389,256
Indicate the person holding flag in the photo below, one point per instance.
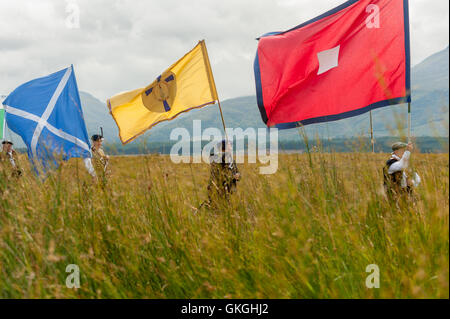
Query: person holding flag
186,85
224,174
47,114
398,183
99,166
9,161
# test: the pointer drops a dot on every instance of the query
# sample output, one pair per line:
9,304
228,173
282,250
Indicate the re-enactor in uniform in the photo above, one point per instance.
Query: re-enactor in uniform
398,182
98,166
224,174
9,162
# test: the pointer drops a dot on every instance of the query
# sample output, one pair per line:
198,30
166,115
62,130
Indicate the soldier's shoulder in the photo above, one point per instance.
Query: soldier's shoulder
391,161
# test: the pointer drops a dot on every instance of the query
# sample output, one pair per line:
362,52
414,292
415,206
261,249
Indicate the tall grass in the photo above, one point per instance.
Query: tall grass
308,231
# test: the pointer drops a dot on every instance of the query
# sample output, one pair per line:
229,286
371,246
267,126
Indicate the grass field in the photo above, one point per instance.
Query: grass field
308,231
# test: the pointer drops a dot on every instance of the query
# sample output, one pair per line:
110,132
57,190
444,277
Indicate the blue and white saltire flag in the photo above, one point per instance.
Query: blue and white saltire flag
47,114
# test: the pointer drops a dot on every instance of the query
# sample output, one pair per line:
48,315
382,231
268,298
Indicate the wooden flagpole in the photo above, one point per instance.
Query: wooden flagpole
371,133
223,121
409,122
213,85
408,65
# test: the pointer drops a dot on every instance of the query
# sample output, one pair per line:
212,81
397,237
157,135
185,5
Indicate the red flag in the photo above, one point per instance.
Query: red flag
345,62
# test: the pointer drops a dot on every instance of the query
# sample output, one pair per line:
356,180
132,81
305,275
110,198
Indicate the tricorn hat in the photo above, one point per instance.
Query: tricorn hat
97,137
398,145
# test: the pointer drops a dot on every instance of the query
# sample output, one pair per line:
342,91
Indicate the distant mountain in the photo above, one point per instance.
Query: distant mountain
430,112
430,94
96,115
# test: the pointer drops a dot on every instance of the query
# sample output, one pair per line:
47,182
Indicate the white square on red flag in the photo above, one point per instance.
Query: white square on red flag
328,59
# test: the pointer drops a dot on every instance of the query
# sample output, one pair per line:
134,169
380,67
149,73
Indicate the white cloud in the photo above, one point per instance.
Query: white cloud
124,44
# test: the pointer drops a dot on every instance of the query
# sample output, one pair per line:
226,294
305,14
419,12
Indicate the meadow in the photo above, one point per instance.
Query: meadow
308,231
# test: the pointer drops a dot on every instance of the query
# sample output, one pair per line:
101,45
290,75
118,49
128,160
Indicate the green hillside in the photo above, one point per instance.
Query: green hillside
430,92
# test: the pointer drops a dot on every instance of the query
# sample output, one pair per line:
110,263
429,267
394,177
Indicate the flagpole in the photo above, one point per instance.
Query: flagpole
371,133
213,84
408,64
223,121
409,122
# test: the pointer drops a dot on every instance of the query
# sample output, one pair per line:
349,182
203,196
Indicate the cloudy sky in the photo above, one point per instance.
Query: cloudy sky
124,44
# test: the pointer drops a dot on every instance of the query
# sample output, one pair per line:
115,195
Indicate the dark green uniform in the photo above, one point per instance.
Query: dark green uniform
222,182
9,164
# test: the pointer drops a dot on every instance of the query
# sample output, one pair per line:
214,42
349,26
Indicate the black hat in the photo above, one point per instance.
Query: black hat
7,142
96,137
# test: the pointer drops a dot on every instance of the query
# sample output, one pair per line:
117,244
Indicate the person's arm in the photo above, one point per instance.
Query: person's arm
90,168
415,180
401,164
13,159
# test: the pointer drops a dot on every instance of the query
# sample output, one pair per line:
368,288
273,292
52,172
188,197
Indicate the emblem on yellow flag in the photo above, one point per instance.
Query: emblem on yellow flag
159,95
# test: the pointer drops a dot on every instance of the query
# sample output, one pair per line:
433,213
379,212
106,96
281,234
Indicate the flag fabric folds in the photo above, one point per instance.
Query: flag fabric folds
47,114
343,63
186,85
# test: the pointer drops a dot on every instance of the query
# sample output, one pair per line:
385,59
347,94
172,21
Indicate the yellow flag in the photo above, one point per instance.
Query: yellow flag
186,85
